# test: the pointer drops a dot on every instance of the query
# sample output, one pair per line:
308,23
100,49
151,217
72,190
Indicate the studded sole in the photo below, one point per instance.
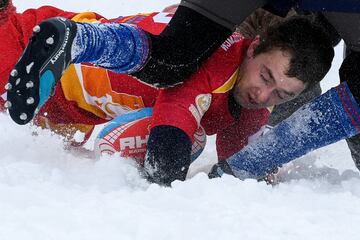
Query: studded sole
40,67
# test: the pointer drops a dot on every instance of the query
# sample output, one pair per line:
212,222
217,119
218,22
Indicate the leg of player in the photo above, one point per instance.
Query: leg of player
55,44
331,117
283,111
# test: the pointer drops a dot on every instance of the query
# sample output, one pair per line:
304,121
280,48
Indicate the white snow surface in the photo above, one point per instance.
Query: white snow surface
50,193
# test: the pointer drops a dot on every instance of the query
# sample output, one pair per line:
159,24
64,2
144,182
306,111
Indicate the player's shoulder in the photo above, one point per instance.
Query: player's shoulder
231,50
222,67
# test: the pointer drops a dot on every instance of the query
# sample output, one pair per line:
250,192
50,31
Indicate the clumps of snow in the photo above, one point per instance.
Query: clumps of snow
301,120
53,193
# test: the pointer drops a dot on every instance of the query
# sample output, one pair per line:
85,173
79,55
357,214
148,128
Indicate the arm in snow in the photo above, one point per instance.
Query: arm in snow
168,155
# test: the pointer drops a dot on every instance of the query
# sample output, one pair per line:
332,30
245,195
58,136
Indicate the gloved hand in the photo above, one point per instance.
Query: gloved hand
350,72
219,169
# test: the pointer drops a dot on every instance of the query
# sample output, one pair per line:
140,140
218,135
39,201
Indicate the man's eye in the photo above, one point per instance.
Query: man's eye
265,80
280,96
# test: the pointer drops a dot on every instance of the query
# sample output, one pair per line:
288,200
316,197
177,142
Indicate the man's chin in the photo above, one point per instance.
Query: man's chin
246,104
251,106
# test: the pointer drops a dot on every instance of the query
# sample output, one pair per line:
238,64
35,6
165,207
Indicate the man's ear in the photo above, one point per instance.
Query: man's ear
253,45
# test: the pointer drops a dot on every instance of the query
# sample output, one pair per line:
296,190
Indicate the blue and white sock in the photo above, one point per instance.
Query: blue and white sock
329,118
121,48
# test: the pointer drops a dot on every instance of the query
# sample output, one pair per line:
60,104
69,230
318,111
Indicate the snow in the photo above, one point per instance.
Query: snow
48,192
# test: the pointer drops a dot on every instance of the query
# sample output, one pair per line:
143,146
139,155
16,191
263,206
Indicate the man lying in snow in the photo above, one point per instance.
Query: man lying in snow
328,119
80,102
242,74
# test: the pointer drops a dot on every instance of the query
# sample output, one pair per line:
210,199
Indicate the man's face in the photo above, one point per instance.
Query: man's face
262,81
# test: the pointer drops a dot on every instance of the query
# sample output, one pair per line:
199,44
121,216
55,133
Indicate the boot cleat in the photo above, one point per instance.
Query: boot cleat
35,75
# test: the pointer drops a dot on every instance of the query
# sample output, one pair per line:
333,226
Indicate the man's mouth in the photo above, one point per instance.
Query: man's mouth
251,100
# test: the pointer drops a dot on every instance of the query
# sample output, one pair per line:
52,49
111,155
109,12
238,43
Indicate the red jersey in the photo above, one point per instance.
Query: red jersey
87,95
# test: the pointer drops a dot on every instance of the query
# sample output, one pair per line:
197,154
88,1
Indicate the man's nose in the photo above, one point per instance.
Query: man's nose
262,95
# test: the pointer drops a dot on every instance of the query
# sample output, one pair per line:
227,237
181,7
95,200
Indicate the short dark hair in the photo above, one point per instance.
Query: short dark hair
308,44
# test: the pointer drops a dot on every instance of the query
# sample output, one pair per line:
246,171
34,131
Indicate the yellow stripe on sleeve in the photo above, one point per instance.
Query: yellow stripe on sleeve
229,84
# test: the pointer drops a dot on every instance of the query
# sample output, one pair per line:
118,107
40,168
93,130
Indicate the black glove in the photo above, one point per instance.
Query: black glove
350,72
168,155
219,169
3,3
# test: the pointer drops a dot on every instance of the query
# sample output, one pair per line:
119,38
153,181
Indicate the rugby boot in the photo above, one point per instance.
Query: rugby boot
38,70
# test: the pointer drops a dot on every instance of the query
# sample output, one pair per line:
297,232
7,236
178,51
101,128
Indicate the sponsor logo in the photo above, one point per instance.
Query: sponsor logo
195,113
230,41
134,142
199,140
202,102
63,46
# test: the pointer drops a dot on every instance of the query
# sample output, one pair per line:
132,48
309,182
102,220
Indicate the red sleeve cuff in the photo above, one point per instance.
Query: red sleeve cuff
180,118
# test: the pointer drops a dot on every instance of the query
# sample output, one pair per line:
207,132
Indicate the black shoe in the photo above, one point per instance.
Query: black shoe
40,67
219,169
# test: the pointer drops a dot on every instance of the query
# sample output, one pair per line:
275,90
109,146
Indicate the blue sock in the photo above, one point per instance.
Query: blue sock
329,118
121,48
